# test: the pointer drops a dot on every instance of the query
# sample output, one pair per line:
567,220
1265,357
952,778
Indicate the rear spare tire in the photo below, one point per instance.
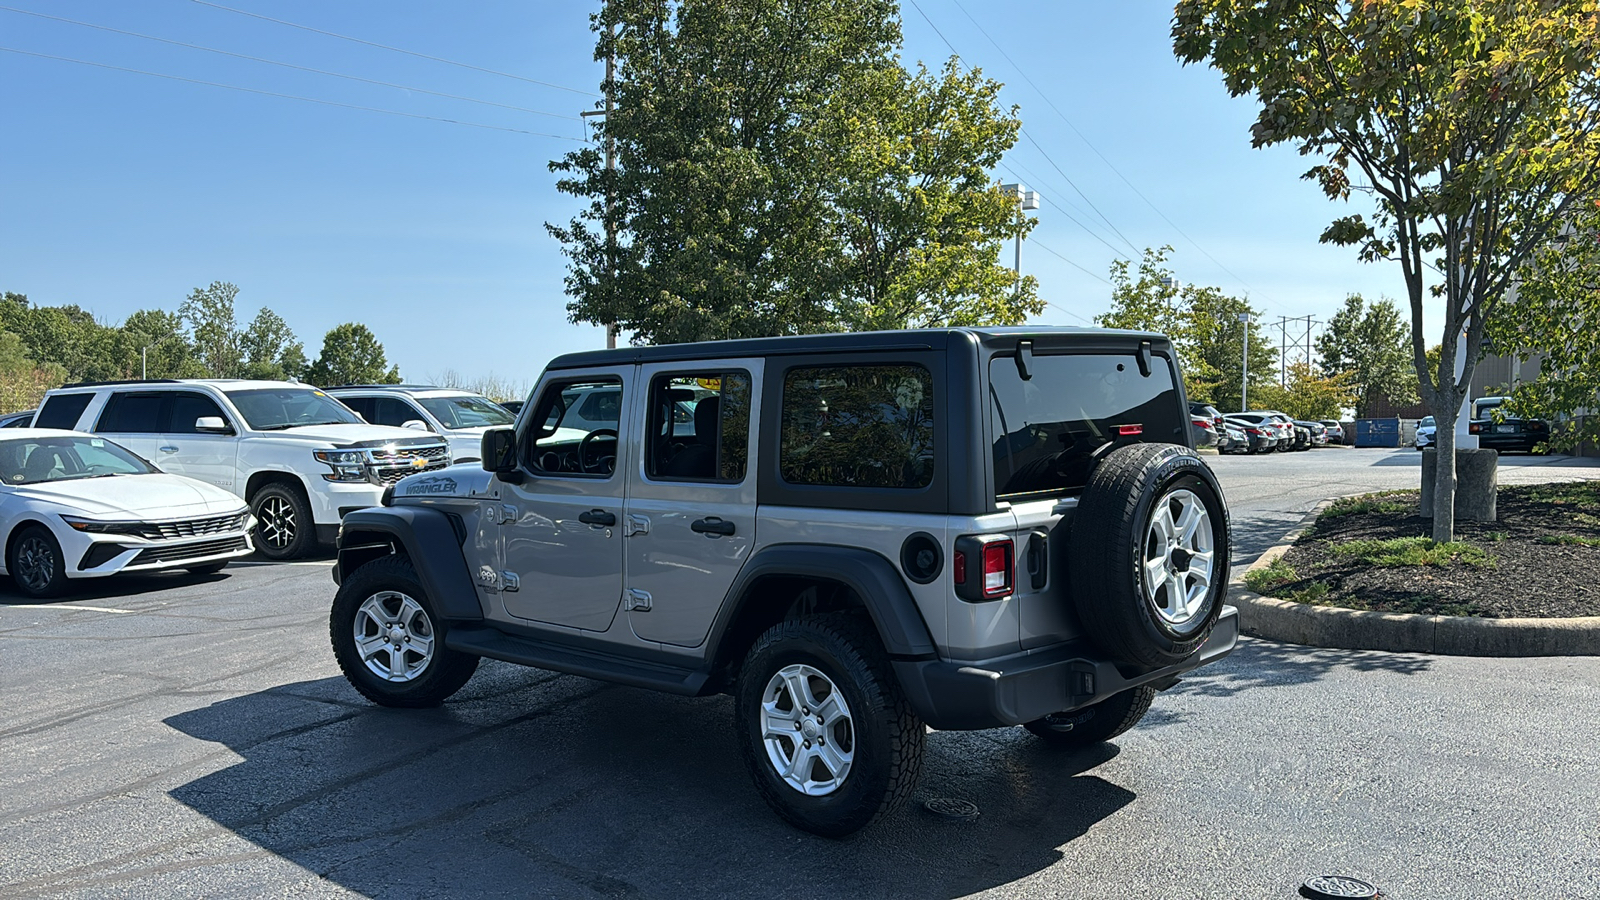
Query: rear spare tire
1149,554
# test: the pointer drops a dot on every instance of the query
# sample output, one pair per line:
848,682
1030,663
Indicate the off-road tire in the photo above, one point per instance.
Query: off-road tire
1094,724
1106,552
446,670
888,738
279,505
45,542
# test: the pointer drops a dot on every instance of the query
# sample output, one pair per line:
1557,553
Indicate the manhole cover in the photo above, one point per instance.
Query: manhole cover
1336,887
951,808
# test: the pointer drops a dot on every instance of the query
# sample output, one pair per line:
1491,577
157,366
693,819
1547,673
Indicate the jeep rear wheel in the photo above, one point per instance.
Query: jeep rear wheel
1149,554
1096,723
823,727
389,640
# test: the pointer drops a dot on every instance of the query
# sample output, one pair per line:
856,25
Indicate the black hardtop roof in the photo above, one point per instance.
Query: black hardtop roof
853,342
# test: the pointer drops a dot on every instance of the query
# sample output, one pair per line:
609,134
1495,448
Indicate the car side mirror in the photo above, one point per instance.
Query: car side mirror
499,453
415,425
212,425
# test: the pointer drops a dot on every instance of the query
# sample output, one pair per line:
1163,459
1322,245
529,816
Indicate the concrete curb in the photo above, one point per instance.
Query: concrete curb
1354,629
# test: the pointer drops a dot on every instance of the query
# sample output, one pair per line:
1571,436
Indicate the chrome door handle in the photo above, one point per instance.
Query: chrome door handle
169,449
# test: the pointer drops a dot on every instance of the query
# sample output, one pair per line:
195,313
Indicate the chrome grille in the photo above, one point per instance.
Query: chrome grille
387,475
187,528
390,465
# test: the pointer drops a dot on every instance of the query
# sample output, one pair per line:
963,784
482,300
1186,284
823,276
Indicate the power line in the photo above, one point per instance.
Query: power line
1039,182
356,40
272,62
1090,144
233,87
1069,262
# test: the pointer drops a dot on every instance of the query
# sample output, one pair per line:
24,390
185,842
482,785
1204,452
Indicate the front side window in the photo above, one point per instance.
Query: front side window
38,460
857,426
467,412
274,409
1050,429
699,426
563,439
189,407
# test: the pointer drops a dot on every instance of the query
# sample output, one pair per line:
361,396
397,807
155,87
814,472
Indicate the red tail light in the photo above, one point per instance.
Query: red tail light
1130,430
994,557
1474,428
958,567
997,569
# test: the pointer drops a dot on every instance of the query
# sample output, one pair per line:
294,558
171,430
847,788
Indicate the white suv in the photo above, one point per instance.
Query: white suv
460,417
300,458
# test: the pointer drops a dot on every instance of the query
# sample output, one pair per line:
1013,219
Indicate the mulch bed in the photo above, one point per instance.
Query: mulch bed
1543,558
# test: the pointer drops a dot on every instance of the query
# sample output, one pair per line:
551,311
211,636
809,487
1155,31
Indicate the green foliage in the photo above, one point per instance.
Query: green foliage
351,355
1306,395
1369,346
270,349
209,314
23,383
1414,551
1570,539
1203,324
779,172
165,343
1388,502
1471,125
1268,577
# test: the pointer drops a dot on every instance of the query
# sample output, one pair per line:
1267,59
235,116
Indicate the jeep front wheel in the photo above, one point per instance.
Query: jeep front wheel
389,640
823,726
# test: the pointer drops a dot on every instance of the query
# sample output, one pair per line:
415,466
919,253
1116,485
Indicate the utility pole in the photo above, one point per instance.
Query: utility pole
144,366
611,168
1026,200
1244,380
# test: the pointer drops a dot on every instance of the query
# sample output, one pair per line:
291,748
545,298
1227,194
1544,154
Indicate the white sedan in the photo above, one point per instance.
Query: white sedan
73,505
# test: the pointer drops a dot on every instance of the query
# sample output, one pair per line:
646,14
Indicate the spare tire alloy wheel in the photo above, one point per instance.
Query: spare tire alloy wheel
394,636
1179,556
806,728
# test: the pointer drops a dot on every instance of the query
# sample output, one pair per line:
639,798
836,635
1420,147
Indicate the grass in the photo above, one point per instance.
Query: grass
1266,578
1571,539
1414,551
1582,494
1380,502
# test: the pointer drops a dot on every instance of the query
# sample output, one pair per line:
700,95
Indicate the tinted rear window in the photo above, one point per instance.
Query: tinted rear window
62,411
1047,429
857,426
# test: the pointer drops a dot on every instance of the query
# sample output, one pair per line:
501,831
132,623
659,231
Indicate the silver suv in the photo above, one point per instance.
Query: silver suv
460,417
855,535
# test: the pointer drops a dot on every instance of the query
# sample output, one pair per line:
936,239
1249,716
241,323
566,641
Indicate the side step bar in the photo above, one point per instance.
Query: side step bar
494,644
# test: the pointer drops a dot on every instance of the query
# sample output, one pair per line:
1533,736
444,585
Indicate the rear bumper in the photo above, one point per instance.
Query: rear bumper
999,693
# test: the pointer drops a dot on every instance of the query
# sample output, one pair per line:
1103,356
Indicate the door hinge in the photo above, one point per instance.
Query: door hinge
635,524
634,599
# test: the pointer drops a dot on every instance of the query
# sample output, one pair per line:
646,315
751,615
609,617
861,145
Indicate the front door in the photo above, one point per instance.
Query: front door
208,456
691,510
562,525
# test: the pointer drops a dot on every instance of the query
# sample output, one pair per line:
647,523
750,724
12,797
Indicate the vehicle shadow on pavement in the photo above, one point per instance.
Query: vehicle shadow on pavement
1257,663
532,784
112,587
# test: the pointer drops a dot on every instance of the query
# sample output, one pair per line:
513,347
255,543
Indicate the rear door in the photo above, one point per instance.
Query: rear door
135,419
691,511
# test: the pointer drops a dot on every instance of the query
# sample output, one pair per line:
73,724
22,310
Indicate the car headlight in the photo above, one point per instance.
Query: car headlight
347,465
95,526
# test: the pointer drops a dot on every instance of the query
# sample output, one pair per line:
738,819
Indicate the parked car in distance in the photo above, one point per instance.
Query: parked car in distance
1209,413
1261,434
74,506
1335,430
300,458
1202,431
1318,432
17,419
1238,441
512,406
1426,430
460,417
1498,431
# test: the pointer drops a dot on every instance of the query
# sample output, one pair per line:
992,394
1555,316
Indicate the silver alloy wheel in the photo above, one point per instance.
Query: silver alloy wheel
807,730
394,636
1179,559
35,563
277,522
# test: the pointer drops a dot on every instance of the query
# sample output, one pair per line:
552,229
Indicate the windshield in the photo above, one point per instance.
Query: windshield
274,409
1427,422
466,412
38,460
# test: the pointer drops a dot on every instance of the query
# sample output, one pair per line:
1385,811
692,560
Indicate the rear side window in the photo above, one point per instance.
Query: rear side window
1049,430
62,411
857,426
132,413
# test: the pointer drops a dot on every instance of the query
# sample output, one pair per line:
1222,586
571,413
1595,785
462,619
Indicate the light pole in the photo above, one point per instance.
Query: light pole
1244,380
1026,200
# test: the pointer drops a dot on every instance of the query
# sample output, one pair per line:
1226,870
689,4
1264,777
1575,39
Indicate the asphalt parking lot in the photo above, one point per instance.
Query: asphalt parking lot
187,736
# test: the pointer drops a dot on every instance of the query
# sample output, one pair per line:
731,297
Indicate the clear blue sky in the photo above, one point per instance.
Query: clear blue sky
123,191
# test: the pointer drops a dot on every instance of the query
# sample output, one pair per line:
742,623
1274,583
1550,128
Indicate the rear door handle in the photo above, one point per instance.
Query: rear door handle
169,449
598,517
712,525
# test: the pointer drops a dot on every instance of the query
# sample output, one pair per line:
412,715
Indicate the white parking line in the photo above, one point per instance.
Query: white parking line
104,609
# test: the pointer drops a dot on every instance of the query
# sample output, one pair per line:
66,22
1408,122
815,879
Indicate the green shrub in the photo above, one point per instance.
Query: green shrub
1414,551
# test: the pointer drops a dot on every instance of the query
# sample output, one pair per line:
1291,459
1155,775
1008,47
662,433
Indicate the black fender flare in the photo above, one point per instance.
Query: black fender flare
872,577
432,542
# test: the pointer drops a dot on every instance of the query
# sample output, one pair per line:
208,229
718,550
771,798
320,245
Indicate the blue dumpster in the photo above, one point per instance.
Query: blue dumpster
1377,432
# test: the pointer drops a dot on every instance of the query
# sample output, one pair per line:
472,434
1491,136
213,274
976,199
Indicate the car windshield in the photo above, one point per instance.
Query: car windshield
1427,422
65,458
274,409
470,411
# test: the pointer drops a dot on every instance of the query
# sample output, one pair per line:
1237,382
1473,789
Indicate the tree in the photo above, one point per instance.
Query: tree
1203,324
1470,123
1369,343
779,172
162,339
23,382
270,350
1307,395
209,314
68,336
351,354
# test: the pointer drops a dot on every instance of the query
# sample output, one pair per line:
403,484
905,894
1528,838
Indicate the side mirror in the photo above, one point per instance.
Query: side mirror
415,425
499,453
212,425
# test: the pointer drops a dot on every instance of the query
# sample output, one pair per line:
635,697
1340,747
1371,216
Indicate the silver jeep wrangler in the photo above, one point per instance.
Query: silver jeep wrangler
854,535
